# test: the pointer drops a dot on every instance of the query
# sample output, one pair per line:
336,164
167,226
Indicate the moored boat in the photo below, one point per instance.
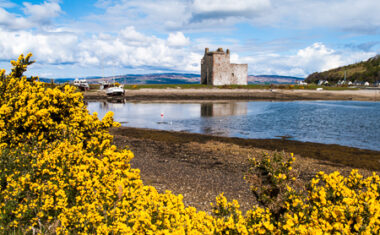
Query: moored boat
104,84
81,84
115,91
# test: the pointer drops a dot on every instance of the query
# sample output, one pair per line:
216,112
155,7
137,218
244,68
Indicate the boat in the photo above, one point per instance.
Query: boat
81,84
115,91
104,84
76,82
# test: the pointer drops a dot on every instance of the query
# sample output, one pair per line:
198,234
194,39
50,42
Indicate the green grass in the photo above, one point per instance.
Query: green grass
331,88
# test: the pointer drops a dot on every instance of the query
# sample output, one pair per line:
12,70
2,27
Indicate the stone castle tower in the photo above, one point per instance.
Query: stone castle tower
217,70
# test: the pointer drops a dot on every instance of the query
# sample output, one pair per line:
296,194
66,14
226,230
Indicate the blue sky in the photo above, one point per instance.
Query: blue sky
107,37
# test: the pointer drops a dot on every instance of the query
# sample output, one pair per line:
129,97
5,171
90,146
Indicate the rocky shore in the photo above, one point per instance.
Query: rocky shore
201,166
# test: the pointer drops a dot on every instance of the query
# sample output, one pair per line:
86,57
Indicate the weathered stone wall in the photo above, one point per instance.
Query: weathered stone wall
221,70
217,70
239,74
206,68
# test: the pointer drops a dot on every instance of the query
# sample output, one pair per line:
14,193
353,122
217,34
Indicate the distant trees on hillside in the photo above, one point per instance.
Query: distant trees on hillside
365,71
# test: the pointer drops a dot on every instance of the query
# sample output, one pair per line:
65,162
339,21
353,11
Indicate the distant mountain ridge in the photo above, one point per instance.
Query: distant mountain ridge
364,71
176,78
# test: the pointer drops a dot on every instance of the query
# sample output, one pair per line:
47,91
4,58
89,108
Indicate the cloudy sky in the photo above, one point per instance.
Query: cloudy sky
75,38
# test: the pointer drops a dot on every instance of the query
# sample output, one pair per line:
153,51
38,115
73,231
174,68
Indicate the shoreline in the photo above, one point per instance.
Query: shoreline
200,167
354,157
239,94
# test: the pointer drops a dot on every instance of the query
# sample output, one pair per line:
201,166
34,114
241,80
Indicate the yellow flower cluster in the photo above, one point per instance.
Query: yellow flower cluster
60,173
336,204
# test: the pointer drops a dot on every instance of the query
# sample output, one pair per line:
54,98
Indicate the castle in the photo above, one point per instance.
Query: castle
217,70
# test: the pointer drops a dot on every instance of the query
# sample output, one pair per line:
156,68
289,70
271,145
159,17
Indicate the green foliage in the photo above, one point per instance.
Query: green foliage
365,71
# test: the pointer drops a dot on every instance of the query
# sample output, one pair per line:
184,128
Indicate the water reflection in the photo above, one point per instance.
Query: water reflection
113,104
223,109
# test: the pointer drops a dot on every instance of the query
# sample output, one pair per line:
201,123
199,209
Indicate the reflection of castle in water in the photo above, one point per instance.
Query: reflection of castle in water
113,104
223,109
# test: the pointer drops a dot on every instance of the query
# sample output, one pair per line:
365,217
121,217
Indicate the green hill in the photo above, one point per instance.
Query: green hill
365,71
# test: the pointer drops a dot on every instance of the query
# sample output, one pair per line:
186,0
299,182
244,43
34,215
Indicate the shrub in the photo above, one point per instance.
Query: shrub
328,204
270,179
59,172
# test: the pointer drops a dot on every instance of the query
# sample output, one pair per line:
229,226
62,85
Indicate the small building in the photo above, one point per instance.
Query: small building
217,70
301,82
322,82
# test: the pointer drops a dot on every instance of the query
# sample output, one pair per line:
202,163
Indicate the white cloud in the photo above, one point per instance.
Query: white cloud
11,21
6,4
318,57
347,15
209,9
128,49
43,13
314,58
35,16
96,41
229,5
131,36
213,15
134,49
147,14
178,39
352,15
47,47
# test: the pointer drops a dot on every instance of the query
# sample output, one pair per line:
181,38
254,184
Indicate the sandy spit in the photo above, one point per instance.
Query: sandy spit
242,94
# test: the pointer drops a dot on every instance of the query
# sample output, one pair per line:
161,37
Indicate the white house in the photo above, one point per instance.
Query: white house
301,83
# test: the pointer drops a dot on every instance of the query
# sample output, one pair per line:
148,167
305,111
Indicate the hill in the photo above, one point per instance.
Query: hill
177,78
365,71
272,79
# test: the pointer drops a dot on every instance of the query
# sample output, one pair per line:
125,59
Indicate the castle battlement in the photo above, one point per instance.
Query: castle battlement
217,70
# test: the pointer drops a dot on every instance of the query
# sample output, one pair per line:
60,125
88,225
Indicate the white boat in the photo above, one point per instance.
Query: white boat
82,84
76,82
115,91
104,84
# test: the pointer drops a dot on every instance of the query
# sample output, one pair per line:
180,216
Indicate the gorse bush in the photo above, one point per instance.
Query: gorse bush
270,179
60,173
328,203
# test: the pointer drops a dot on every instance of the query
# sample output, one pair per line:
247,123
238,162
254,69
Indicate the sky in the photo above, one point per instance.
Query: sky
79,38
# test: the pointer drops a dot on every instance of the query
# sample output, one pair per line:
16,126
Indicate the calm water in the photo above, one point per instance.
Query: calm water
349,123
